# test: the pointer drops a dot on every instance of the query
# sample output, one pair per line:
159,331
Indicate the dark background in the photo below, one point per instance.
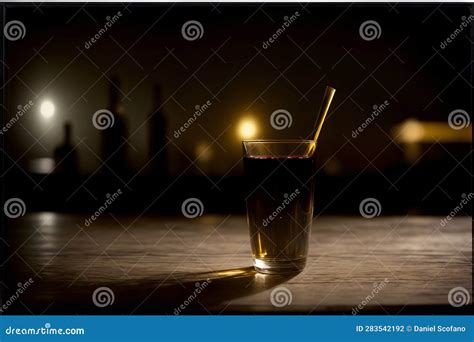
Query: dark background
229,67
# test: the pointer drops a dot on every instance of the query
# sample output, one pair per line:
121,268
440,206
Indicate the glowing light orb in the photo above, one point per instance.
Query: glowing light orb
413,131
47,109
247,128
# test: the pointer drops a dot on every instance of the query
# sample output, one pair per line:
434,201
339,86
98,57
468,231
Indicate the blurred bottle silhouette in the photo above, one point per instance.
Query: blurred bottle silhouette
113,138
158,126
65,156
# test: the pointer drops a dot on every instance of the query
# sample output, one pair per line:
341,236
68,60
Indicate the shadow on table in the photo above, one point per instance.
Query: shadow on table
174,294
188,293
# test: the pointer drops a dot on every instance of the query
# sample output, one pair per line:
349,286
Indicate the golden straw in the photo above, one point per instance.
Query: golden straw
328,95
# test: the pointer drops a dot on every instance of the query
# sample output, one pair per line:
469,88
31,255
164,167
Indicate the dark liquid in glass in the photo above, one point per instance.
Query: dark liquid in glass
279,210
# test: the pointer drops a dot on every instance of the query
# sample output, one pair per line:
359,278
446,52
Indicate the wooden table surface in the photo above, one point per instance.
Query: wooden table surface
154,264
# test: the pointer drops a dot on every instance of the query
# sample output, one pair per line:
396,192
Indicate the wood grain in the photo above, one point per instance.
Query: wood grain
154,264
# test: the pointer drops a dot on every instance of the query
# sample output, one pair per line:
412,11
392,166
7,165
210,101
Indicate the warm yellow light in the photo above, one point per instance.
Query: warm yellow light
247,128
413,131
47,109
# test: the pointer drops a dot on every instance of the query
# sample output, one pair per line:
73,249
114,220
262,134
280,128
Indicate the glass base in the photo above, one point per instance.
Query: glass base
279,266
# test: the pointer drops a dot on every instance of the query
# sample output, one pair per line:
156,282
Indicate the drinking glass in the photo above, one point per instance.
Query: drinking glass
280,194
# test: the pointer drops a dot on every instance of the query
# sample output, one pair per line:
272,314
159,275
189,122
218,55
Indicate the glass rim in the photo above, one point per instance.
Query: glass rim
304,141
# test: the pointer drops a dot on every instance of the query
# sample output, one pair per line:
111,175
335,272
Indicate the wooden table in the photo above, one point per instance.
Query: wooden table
154,264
